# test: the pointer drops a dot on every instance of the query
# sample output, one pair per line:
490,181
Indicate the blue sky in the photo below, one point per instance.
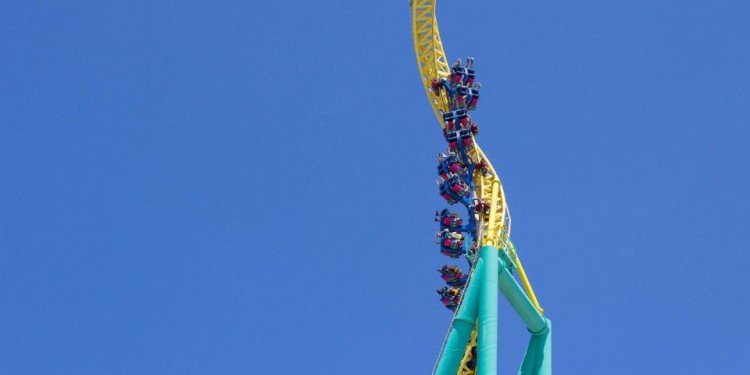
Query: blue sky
248,187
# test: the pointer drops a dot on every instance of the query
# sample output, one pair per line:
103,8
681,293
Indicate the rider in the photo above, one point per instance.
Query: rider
445,195
482,166
448,219
451,240
472,98
469,78
436,86
458,73
453,275
460,95
452,138
465,136
474,129
482,207
459,187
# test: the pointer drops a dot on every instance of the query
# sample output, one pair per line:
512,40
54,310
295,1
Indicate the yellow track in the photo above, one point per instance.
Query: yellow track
495,227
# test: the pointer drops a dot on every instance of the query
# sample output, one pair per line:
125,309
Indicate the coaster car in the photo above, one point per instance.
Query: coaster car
451,303
450,297
457,186
453,276
451,243
466,138
436,86
449,291
470,76
451,253
452,139
449,165
481,207
459,96
446,194
448,220
459,116
458,74
453,189
472,98
474,128
451,240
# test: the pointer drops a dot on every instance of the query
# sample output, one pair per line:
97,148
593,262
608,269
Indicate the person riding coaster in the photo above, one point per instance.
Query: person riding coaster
464,121
451,243
466,137
451,118
457,185
454,136
474,129
448,220
450,296
461,74
450,240
453,275
470,77
469,62
449,291
451,303
481,207
457,94
436,86
450,164
472,98
452,139
458,72
453,254
460,95
446,193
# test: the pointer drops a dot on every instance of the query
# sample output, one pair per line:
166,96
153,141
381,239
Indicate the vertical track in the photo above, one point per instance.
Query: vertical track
494,229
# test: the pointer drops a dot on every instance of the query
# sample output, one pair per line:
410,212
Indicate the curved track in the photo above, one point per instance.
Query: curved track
492,226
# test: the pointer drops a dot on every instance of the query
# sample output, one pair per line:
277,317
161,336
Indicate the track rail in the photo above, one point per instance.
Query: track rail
494,227
433,63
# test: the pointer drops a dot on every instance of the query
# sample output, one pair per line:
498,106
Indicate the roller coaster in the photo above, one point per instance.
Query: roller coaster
467,178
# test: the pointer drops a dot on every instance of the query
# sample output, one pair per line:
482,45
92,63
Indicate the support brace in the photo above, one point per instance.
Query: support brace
538,357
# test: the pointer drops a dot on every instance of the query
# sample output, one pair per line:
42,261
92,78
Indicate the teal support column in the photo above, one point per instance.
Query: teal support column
487,337
535,322
538,357
462,325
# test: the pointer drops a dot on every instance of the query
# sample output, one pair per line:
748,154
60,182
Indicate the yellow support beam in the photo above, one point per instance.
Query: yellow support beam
428,47
469,362
527,286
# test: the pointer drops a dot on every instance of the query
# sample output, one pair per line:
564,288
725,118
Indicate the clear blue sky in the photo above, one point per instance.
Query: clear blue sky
248,187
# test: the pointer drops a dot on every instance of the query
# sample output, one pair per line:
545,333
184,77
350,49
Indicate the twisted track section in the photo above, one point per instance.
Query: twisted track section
493,226
432,63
